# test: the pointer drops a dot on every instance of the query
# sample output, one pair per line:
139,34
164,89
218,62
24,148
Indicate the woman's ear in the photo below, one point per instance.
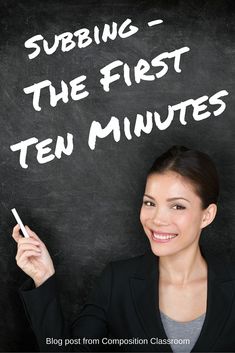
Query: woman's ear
209,215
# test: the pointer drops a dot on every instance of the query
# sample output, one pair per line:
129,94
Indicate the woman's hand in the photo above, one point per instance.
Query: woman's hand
32,256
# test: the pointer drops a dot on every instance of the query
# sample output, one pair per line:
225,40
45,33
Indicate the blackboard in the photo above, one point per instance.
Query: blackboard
85,205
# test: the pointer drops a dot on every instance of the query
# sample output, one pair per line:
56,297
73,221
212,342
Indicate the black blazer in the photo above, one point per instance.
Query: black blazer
124,305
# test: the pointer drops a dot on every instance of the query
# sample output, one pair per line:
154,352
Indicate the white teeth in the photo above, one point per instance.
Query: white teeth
163,237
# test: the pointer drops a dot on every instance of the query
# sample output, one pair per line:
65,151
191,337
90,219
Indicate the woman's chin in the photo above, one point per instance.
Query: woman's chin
162,249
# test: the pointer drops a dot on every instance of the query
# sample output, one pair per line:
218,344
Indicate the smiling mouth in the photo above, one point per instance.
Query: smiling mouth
163,237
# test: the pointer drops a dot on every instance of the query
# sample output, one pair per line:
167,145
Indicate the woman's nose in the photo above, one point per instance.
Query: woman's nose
160,217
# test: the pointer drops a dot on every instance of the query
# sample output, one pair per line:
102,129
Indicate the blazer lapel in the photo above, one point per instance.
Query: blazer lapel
144,288
220,295
221,291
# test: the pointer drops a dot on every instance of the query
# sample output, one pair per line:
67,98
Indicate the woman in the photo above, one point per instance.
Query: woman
174,298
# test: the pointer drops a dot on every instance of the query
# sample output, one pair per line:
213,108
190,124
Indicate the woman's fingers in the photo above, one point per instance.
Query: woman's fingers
16,233
23,260
26,250
27,246
28,241
18,237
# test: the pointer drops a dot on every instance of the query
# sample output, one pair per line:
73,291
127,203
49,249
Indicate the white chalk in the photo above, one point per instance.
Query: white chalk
18,220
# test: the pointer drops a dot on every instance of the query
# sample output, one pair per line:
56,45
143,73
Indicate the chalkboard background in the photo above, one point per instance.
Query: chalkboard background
85,206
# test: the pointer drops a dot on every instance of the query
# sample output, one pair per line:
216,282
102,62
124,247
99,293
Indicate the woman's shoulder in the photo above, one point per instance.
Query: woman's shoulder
134,266
222,265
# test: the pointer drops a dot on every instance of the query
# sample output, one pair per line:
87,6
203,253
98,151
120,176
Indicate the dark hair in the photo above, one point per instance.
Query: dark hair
193,165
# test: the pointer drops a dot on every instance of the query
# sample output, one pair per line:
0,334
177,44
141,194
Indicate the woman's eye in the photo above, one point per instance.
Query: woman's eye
148,203
178,207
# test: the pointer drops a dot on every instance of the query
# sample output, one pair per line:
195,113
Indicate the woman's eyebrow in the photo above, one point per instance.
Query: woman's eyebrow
170,199
149,197
177,198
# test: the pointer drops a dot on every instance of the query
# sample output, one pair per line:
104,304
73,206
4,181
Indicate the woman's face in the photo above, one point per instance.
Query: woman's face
172,214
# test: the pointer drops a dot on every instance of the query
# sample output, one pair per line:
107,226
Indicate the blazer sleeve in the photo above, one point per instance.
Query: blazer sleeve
43,310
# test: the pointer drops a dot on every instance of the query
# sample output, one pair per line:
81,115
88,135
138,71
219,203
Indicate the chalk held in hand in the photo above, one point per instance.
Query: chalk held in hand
18,220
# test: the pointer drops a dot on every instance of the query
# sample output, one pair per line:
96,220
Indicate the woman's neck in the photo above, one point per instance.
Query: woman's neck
183,267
